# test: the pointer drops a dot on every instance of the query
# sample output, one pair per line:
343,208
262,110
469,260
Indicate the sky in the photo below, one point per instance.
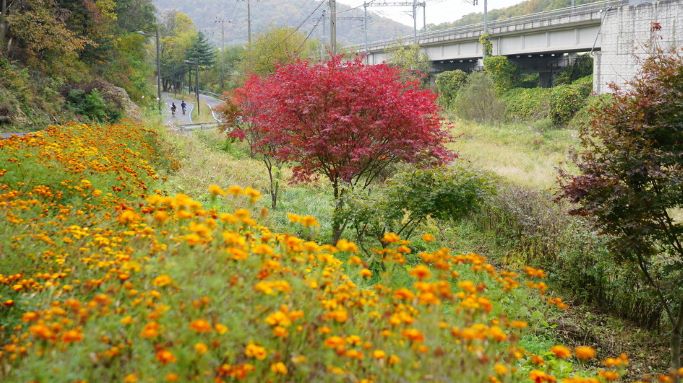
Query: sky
438,11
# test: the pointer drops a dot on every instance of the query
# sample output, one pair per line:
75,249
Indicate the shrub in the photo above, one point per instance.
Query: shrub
583,117
411,196
565,101
502,72
630,181
92,106
531,229
526,104
448,85
478,101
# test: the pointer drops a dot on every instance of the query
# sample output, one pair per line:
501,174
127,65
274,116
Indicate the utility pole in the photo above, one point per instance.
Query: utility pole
333,26
365,29
415,21
249,20
222,21
158,44
322,38
414,4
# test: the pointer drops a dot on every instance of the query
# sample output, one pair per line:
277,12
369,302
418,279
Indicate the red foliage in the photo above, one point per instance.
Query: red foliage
341,119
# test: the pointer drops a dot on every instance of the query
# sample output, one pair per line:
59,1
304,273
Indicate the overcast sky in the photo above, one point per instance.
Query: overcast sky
438,11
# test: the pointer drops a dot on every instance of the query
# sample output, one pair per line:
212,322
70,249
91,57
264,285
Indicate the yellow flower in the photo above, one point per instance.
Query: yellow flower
130,378
365,273
221,329
200,348
279,368
162,280
428,237
255,351
216,190
379,354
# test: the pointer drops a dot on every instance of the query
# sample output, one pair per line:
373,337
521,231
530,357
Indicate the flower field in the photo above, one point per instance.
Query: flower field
103,279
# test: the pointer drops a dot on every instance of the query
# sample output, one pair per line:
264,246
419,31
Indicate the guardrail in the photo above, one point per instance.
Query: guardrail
479,27
192,127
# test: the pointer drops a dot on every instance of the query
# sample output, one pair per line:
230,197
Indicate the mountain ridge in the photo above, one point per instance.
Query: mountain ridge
267,14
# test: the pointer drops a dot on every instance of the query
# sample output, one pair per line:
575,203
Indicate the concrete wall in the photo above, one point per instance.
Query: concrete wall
627,37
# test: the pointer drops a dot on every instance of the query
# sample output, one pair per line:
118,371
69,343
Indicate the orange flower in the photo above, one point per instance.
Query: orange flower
165,356
420,272
414,335
584,353
201,325
72,336
561,352
151,330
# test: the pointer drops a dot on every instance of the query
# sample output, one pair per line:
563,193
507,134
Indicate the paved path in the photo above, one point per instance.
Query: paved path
179,119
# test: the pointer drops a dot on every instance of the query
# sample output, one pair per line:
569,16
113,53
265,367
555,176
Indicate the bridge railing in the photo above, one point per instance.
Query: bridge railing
479,27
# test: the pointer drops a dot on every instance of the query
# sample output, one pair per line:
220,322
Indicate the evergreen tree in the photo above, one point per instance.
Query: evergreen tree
201,51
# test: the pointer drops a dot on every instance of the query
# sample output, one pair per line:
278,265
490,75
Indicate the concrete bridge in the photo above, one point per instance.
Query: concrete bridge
617,33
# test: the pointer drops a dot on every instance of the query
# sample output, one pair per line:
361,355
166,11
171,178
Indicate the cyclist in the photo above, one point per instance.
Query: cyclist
173,109
183,105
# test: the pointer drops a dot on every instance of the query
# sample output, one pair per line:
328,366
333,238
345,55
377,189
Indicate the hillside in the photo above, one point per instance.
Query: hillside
269,13
524,8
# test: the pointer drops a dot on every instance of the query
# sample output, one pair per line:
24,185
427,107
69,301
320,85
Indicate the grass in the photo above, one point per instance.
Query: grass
204,115
516,152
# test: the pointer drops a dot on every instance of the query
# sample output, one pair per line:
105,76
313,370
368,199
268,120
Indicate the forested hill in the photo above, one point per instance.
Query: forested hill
278,13
524,8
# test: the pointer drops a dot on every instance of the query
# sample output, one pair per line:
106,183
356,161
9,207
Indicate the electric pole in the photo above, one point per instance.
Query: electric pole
365,28
158,44
333,26
248,20
415,21
414,4
222,21
323,36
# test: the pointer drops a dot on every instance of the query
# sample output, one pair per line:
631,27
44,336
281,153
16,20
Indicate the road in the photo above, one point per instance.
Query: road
180,119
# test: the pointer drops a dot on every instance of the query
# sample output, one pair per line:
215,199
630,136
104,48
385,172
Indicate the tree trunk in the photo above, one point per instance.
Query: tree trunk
676,344
336,219
274,183
3,25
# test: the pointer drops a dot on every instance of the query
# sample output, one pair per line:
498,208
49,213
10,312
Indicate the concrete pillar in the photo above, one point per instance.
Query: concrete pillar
597,75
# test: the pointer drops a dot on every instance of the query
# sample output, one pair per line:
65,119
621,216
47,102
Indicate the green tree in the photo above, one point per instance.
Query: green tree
448,84
502,72
412,61
201,51
630,181
178,34
277,47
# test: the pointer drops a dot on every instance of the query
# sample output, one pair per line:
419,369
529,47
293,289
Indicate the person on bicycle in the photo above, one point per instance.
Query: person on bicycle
183,105
173,109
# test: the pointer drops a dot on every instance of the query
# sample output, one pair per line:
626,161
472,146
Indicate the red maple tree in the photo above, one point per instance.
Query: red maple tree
344,120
